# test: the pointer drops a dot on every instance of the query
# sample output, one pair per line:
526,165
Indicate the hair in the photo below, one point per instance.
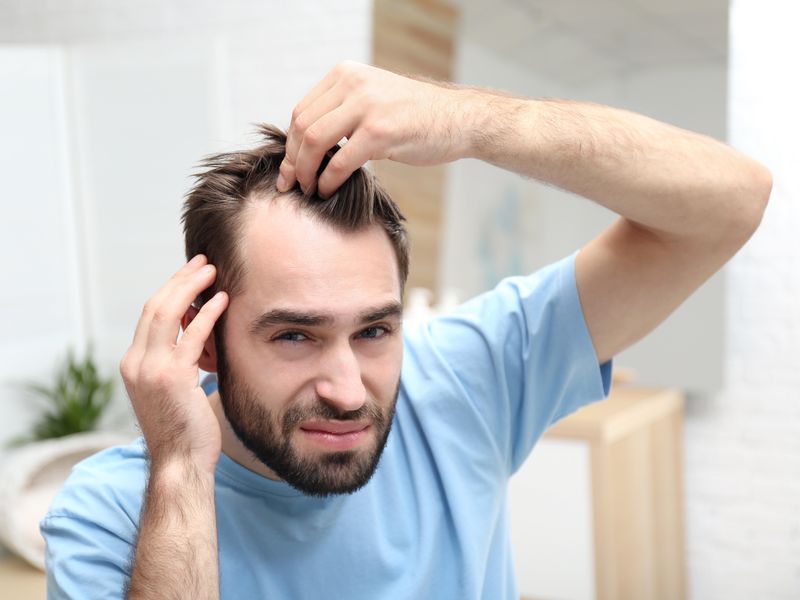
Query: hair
214,208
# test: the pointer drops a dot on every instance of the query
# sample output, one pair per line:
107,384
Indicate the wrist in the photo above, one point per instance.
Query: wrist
488,119
183,456
180,471
472,122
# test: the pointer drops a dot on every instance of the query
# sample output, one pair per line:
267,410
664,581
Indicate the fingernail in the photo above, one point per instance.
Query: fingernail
281,183
196,259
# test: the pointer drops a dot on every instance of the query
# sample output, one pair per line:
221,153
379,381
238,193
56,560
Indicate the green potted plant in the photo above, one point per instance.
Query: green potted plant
74,403
66,432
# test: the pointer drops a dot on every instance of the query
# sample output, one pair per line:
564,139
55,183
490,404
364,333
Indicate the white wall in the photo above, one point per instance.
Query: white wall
505,225
743,450
107,117
40,304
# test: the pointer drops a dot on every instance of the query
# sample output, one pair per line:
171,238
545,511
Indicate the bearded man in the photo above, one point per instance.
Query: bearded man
345,455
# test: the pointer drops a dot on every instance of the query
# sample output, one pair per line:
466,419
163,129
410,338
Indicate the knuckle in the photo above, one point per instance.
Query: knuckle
369,99
313,137
160,316
126,368
148,308
296,114
301,123
352,80
377,130
350,67
343,66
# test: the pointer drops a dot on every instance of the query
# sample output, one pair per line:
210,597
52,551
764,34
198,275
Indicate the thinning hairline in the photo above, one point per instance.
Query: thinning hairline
294,200
302,205
290,316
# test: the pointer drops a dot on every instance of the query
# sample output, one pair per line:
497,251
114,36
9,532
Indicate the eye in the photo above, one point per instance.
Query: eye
290,336
375,332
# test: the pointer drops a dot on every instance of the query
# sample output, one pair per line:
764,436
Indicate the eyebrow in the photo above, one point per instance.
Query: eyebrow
284,316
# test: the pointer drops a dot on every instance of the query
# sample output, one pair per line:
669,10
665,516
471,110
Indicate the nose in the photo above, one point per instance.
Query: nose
339,383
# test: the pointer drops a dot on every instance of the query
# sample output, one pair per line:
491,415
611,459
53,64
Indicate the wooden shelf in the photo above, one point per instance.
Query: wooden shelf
627,410
634,440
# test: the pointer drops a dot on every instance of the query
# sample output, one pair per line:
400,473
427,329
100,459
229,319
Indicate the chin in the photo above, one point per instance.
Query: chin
330,473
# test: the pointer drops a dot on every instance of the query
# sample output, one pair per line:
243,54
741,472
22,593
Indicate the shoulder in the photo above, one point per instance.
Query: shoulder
485,348
507,318
91,527
509,362
107,485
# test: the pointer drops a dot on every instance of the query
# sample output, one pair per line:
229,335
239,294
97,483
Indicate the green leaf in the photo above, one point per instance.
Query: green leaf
76,400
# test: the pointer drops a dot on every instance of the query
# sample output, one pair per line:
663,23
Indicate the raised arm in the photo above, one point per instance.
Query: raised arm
176,550
687,202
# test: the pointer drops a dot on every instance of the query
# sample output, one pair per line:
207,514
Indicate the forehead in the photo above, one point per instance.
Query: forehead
293,260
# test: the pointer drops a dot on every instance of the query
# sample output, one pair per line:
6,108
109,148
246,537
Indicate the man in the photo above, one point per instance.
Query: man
330,464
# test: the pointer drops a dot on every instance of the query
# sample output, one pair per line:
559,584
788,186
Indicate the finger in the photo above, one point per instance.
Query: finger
325,84
143,326
287,179
318,139
352,155
190,347
166,319
324,104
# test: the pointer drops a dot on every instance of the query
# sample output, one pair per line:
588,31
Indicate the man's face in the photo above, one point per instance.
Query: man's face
310,368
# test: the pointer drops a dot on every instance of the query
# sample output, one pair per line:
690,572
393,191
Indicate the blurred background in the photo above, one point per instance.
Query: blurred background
107,107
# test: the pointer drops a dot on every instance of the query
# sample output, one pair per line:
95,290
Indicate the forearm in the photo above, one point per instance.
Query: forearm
669,180
176,551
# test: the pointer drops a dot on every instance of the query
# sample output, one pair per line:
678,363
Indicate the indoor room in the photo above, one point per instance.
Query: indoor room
584,387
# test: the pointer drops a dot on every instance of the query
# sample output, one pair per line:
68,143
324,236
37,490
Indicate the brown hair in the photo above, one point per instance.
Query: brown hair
213,209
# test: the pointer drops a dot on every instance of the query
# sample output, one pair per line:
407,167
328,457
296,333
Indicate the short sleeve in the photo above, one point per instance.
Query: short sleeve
521,356
90,530
84,560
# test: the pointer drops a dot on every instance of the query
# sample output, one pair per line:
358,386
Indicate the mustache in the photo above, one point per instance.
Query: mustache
321,410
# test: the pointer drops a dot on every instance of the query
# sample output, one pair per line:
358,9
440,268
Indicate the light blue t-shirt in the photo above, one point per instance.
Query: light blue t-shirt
478,388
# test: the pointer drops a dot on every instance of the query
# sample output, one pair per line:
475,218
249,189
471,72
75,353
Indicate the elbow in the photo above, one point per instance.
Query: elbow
754,195
762,190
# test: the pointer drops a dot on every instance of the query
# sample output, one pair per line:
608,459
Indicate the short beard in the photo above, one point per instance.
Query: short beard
269,439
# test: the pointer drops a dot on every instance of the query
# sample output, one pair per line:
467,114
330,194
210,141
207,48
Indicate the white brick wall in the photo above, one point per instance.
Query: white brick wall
743,449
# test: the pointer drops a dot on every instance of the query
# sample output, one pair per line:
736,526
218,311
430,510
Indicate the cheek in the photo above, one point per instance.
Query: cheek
381,373
276,385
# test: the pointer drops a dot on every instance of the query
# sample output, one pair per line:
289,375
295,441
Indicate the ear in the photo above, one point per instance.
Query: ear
208,359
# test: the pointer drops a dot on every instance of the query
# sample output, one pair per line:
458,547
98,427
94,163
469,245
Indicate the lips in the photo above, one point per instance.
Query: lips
335,427
337,436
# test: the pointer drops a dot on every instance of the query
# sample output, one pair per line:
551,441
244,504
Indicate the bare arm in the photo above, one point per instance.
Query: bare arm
176,550
687,202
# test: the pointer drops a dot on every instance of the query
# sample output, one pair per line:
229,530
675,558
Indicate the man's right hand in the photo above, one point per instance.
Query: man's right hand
161,372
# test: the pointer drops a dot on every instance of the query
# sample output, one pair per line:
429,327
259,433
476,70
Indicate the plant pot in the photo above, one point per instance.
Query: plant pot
30,478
